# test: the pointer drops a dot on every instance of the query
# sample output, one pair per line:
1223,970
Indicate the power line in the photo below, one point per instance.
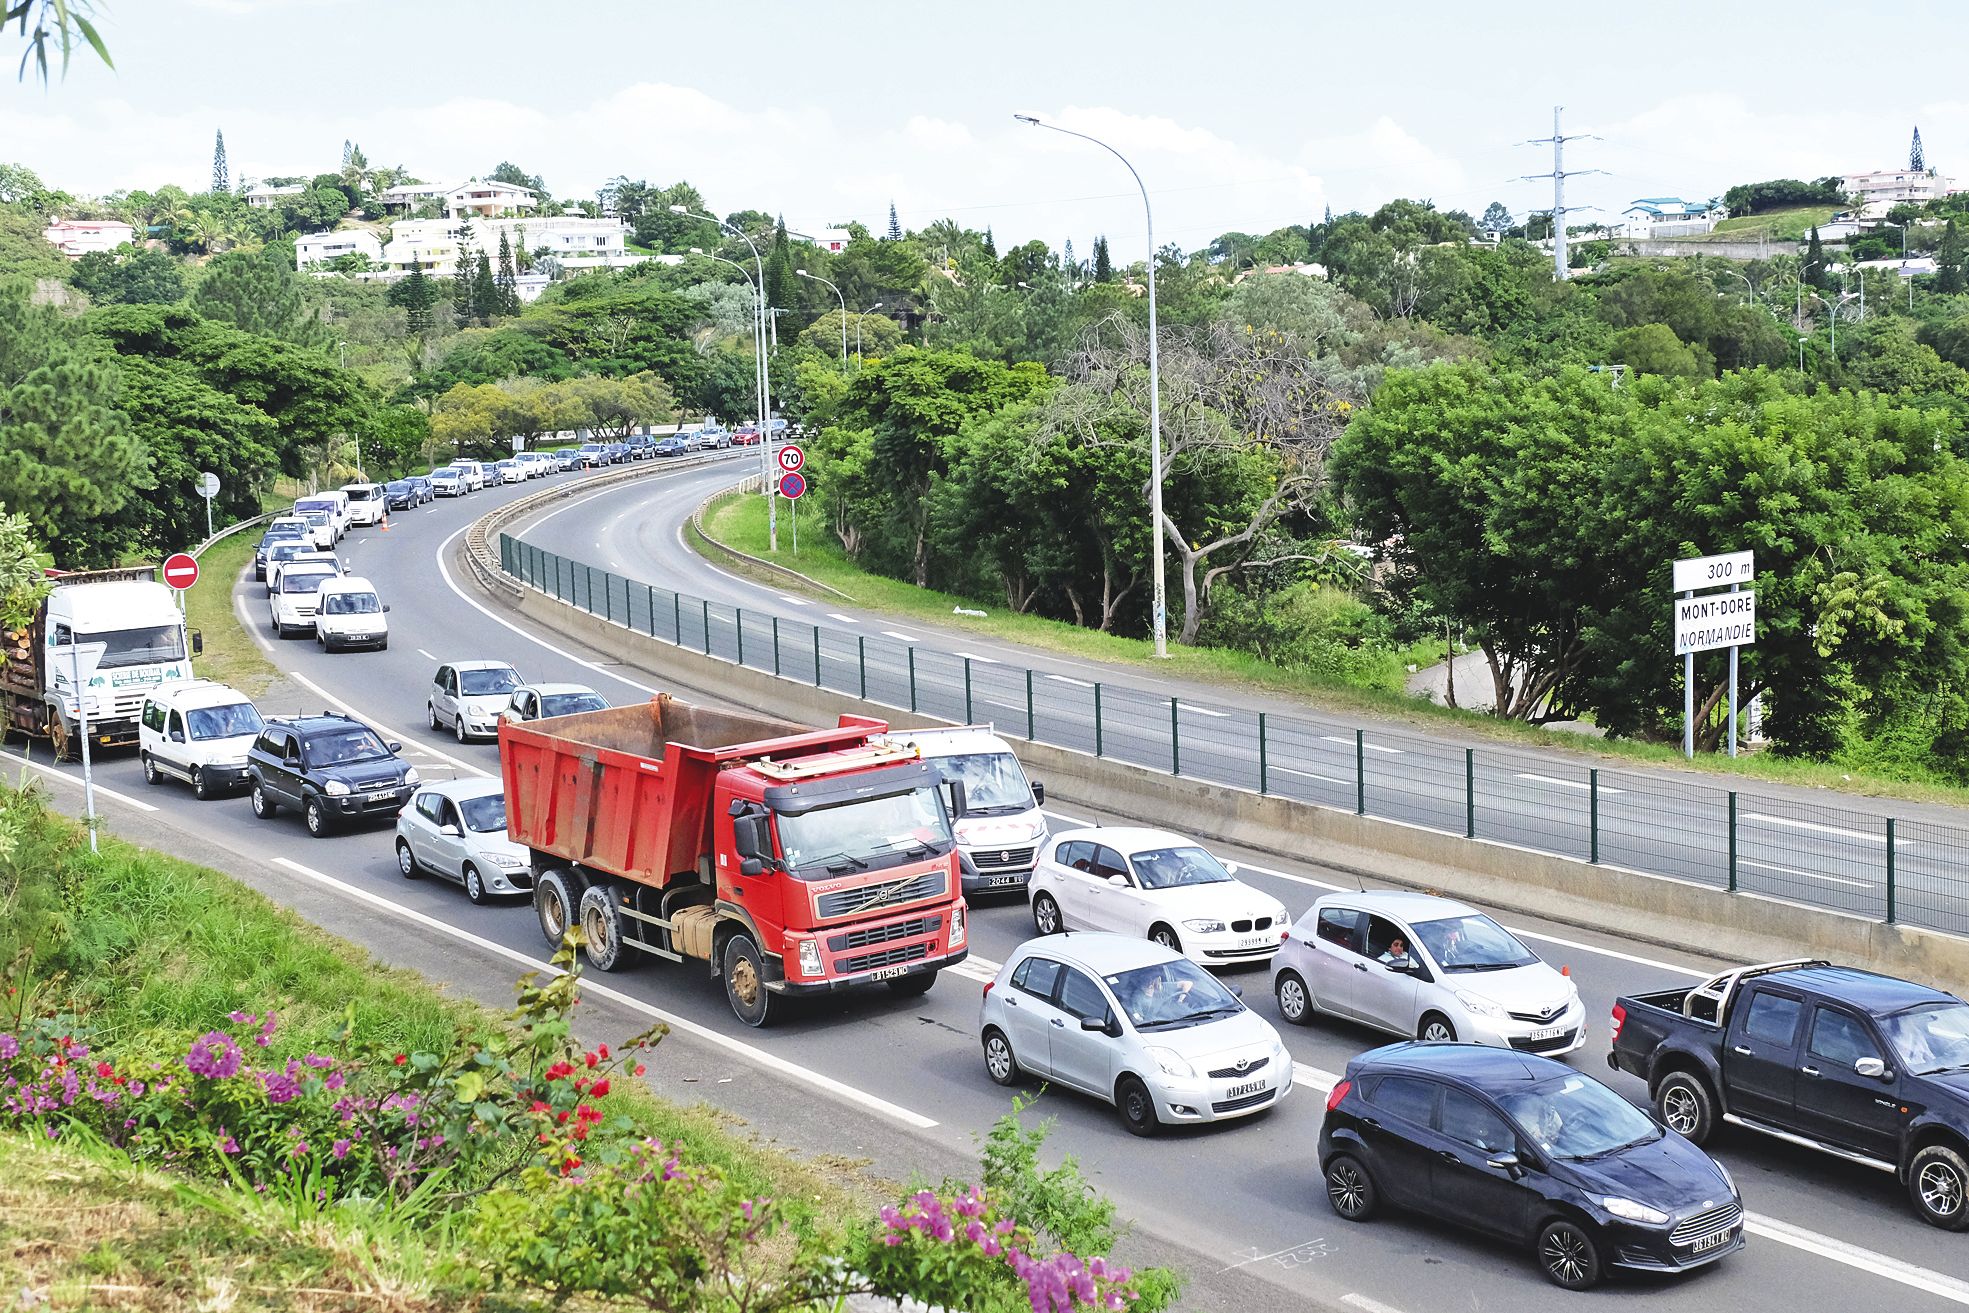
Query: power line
1557,141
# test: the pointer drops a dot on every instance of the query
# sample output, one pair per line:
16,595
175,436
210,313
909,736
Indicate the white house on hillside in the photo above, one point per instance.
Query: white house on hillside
1883,189
487,200
410,195
269,198
320,248
574,241
74,238
1669,216
833,240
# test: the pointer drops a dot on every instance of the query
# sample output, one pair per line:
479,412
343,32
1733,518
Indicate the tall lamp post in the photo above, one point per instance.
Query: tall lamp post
844,313
858,318
758,374
1159,608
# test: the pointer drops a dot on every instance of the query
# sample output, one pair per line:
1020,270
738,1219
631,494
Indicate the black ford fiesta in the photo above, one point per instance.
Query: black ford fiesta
1529,1150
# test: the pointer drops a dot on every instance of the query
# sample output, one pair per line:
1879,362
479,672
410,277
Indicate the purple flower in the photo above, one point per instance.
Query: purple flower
9,1046
243,1018
317,1060
227,1144
339,1149
280,1088
214,1056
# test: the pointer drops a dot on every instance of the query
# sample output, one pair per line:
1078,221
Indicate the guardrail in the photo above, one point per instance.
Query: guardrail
1894,871
230,530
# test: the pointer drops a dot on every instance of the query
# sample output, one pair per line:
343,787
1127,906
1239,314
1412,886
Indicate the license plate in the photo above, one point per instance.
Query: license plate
1716,1241
1250,1087
1255,941
1549,1032
888,973
997,880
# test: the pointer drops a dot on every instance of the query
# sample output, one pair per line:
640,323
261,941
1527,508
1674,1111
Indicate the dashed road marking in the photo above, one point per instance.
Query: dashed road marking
1069,679
1583,785
973,656
794,601
1202,711
76,780
900,637
844,619
1371,747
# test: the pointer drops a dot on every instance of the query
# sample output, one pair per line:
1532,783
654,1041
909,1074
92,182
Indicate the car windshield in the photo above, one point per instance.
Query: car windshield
285,551
398,486
446,473
993,783
277,532
344,747
484,814
1930,1038
303,581
1576,1118
362,494
477,683
1173,868
851,836
315,519
1472,943
566,704
228,722
138,647
351,604
1171,995
313,508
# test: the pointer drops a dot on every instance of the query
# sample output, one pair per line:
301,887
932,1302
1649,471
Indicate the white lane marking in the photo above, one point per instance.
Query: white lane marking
1072,822
794,601
1354,1299
1786,821
906,638
1203,711
76,780
1069,679
844,619
1605,792
1808,875
1371,747
426,655
1851,1255
1304,1073
361,715
1309,774
973,656
753,1054
705,561
239,609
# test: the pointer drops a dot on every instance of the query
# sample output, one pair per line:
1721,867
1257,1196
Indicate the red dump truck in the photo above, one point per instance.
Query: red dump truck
790,860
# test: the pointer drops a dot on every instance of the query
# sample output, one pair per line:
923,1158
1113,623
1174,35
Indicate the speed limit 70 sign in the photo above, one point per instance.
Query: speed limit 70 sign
791,458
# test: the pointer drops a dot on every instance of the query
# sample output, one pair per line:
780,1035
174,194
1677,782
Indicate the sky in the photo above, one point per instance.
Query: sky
1238,116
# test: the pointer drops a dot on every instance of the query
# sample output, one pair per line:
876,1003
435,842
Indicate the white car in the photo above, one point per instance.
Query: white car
1134,1024
291,607
539,701
320,519
366,502
467,696
448,481
1436,969
537,464
1156,885
197,731
509,471
457,829
305,559
348,613
474,472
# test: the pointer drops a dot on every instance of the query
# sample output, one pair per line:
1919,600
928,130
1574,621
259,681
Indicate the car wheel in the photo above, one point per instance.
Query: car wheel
263,806
152,775
913,986
316,818
1046,914
1936,1181
1136,1106
745,982
475,885
321,640
553,904
1436,1027
1684,1102
199,788
406,861
458,728
1000,1064
1294,1004
431,714
384,646
1350,1190
1568,1255
1163,935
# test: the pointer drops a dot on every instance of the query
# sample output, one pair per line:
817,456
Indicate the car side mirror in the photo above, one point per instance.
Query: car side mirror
1230,868
1237,991
197,643
290,761
750,840
957,801
394,746
1118,881
752,866
450,831
1507,1163
1097,1024
386,608
1871,1068
1039,793
1401,966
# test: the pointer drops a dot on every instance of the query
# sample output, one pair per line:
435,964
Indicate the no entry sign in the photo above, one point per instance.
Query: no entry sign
181,571
792,486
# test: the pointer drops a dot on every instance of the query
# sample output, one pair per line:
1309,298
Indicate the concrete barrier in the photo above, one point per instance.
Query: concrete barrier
1652,908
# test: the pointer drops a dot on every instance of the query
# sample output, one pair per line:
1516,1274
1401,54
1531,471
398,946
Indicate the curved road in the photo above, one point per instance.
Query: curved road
900,1082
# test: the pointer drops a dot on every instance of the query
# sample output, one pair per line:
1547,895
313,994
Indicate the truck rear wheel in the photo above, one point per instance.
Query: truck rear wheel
601,929
745,982
1684,1102
554,903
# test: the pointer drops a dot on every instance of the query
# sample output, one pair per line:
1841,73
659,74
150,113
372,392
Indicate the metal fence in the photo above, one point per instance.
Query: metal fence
1857,862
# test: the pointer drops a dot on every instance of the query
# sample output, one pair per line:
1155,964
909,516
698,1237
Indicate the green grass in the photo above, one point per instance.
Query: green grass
739,520
231,656
1793,225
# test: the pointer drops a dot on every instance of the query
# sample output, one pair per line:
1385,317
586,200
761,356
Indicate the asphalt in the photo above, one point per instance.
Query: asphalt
899,1084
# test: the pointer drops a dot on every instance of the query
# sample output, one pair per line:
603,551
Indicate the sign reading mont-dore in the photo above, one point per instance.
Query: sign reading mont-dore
1715,620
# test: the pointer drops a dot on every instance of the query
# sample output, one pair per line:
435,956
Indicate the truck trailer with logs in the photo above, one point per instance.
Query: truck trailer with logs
790,861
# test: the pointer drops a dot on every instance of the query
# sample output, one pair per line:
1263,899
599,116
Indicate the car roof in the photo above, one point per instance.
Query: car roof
1130,838
318,721
1479,1063
479,665
962,741
1403,904
189,693
556,689
1101,954
347,583
1867,990
466,786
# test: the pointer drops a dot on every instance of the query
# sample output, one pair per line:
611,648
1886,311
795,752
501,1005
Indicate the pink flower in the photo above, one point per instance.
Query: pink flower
214,1056
339,1150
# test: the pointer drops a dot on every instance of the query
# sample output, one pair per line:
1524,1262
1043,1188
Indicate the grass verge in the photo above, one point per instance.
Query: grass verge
231,656
739,520
1792,225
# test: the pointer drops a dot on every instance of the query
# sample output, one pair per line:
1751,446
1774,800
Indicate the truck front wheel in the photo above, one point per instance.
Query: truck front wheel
1684,1102
745,982
601,929
554,904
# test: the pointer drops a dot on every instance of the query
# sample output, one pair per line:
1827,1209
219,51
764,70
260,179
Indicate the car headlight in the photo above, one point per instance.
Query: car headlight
411,776
1478,1004
1728,1180
1205,927
336,789
512,861
1633,1211
809,957
1170,1061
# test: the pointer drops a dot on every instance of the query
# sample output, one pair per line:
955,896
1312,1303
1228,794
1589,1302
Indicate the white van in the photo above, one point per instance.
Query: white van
999,827
319,516
307,561
474,472
198,731
348,613
336,503
366,502
291,606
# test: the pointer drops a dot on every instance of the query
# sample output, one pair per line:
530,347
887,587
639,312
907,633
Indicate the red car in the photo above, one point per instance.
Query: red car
745,437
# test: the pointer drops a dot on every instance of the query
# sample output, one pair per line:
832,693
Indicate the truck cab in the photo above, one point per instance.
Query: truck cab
145,644
1000,827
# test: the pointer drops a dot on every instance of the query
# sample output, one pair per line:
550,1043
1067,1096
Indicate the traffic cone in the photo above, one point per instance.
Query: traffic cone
386,519
1565,971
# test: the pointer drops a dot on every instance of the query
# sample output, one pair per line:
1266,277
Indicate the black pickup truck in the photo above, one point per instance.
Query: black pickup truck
1860,1065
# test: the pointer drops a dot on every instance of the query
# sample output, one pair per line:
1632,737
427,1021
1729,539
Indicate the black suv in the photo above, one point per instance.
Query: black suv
332,767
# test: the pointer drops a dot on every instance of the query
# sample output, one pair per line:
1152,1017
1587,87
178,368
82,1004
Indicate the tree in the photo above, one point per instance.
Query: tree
1103,263
895,229
990,246
1496,220
1948,262
132,278
260,293
62,25
1654,349
1783,193
1815,270
485,291
513,175
507,280
461,278
221,174
416,295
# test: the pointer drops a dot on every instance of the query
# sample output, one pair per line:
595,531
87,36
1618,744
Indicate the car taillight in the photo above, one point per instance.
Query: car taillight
1338,1093
1619,1020
988,985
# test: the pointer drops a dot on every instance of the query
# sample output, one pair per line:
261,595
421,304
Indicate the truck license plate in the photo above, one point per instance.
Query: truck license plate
1716,1241
1549,1032
1249,1087
888,973
998,880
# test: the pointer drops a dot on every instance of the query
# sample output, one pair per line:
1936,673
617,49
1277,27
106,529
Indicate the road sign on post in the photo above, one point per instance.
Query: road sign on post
792,485
1702,624
181,571
791,458
208,488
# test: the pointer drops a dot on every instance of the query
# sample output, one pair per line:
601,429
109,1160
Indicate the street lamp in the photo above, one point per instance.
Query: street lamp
758,374
844,314
1159,609
1746,282
858,318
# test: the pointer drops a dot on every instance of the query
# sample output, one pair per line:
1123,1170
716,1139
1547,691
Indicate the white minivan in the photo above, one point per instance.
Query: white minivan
366,502
1000,826
348,613
474,472
197,731
291,605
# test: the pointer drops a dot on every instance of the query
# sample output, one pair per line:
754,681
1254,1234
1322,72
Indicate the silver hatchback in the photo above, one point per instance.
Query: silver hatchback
456,829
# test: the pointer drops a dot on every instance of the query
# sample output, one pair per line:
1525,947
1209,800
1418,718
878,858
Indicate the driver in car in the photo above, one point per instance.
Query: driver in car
1164,997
